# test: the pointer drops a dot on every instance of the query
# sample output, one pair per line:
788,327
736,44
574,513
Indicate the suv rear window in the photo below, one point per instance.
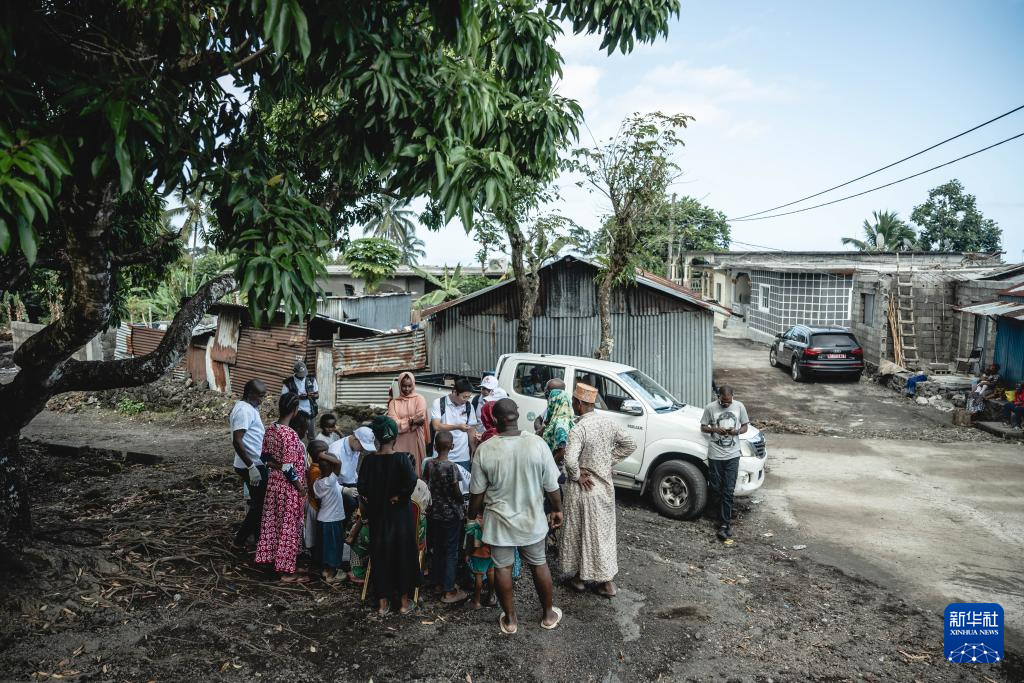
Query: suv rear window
844,341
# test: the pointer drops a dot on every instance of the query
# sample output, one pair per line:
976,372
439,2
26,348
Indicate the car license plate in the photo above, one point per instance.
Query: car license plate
835,355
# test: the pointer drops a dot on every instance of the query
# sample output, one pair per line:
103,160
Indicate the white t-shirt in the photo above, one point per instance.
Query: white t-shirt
456,415
513,473
332,506
245,416
304,405
349,459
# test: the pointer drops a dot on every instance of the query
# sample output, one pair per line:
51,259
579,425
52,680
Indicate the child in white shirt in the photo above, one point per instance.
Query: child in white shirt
330,518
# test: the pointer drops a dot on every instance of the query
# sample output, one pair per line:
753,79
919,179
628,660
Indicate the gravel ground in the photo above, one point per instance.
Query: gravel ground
131,579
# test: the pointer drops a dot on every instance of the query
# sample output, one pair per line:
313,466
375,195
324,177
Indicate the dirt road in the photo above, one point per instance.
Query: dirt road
923,512
131,579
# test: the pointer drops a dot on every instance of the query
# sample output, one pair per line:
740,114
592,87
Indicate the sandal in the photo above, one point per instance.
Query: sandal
460,596
411,609
507,630
558,620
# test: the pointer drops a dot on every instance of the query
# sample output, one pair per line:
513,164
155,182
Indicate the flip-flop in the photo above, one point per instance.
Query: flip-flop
507,630
553,626
606,594
412,608
455,601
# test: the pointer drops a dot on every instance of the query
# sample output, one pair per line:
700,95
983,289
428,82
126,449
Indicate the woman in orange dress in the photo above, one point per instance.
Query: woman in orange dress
409,411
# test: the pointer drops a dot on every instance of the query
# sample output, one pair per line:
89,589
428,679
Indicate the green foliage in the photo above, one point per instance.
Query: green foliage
372,260
394,221
284,118
182,281
451,285
677,226
129,406
887,233
633,172
950,221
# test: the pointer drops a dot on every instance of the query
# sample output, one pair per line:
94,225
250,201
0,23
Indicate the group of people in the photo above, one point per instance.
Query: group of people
988,388
489,498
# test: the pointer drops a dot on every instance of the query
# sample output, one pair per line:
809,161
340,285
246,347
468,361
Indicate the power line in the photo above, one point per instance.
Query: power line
759,246
895,182
878,170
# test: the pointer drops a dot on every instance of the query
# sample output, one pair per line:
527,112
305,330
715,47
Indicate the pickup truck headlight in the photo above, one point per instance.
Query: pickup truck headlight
747,449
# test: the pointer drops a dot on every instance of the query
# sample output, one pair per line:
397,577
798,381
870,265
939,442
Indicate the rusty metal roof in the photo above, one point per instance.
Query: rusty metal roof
644,277
1004,309
383,353
1015,290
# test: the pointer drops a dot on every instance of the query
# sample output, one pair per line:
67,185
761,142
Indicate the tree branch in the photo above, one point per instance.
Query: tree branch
97,375
144,255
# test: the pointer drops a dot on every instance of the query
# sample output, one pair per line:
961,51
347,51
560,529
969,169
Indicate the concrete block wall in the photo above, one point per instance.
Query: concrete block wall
934,317
871,333
974,292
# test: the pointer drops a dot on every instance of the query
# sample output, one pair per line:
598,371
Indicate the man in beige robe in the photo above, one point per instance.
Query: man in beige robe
588,545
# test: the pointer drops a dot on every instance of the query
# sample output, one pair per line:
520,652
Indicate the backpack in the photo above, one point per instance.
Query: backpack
444,408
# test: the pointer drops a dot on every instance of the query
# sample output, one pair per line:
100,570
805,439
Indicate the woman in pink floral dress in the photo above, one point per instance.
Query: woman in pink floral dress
281,528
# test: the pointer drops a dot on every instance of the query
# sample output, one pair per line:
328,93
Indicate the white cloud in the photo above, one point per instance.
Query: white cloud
746,130
580,82
723,81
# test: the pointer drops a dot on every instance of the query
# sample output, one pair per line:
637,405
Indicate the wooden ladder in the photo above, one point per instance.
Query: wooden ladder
905,320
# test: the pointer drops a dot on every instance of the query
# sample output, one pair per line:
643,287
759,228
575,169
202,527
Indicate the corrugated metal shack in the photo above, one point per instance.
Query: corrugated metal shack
239,352
1008,312
659,327
366,367
379,311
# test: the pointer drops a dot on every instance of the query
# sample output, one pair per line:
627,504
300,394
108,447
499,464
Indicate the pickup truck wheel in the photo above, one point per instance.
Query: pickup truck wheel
679,490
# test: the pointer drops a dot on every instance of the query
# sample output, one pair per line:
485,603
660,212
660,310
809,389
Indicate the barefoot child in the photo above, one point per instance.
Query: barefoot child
330,517
445,516
359,543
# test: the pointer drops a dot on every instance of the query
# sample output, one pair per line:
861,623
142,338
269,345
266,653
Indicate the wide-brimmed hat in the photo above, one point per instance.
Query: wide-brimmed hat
585,393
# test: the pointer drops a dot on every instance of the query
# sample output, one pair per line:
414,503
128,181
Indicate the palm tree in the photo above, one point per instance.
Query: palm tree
394,221
888,233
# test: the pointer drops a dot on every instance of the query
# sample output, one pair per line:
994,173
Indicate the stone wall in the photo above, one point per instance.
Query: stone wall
973,292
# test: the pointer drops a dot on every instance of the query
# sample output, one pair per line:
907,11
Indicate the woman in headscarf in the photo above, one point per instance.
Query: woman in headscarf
284,505
560,419
409,411
386,482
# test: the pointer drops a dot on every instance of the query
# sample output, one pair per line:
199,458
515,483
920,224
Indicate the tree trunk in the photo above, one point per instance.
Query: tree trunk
604,307
527,287
15,511
47,370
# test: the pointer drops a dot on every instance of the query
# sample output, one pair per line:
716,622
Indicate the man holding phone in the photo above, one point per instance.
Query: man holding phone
723,421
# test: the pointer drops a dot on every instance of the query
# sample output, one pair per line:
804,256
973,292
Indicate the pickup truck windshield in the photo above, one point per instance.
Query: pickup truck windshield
658,397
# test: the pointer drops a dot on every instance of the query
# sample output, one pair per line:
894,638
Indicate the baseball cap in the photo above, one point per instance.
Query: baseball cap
366,440
490,382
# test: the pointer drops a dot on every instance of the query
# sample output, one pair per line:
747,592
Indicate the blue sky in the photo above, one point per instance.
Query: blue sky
792,98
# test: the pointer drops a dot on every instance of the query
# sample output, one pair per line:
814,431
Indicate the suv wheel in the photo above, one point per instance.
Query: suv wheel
773,360
679,490
795,372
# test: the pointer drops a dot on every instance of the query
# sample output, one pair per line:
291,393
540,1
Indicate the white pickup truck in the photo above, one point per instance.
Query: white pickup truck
670,462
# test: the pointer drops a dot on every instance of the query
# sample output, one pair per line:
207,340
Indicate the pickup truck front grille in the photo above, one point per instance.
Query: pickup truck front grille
760,447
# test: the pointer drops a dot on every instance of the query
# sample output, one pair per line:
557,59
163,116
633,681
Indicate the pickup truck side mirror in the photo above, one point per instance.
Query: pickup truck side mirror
632,407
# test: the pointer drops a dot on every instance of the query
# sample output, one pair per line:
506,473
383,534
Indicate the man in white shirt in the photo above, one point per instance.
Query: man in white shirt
247,440
514,473
306,388
454,413
348,450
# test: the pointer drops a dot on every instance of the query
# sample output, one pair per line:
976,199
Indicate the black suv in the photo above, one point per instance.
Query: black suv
811,350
